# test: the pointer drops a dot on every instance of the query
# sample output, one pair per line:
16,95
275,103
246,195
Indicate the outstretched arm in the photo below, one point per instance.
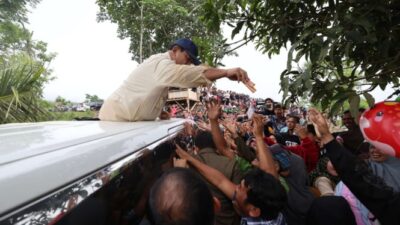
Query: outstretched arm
212,175
214,111
263,153
233,74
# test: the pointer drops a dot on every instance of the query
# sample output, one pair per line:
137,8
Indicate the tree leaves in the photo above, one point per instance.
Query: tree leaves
21,84
370,99
354,105
350,46
163,22
22,65
237,29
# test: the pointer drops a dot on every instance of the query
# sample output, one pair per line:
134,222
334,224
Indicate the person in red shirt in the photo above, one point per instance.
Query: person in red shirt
308,148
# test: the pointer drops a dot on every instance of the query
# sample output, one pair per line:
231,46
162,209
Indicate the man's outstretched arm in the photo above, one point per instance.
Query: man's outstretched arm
232,74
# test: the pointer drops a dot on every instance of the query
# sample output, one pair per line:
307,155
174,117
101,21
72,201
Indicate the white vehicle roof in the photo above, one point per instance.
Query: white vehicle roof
36,158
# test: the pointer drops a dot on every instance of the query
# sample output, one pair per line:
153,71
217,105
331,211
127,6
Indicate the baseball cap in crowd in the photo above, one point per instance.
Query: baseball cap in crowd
280,155
190,48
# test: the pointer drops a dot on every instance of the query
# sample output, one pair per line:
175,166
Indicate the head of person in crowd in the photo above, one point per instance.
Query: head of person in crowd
186,113
269,104
281,156
311,133
291,121
285,110
181,197
278,110
165,115
348,120
204,140
376,155
330,210
281,159
363,151
385,166
199,115
184,52
259,195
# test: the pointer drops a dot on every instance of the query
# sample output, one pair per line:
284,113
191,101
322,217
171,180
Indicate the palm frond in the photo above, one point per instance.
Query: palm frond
20,91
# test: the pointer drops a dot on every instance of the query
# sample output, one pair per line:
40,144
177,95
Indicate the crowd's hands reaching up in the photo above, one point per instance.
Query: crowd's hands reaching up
183,155
204,126
183,159
320,124
231,127
214,110
258,125
264,156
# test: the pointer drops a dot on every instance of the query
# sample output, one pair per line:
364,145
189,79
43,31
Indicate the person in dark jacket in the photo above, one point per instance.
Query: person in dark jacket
370,189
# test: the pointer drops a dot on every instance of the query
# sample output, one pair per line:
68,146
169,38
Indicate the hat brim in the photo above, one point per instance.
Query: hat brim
194,59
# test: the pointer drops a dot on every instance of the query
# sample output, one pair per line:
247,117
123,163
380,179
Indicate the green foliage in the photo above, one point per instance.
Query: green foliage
16,10
352,47
14,37
152,25
92,98
21,82
23,63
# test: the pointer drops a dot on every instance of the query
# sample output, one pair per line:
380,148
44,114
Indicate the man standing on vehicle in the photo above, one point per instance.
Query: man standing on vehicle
143,95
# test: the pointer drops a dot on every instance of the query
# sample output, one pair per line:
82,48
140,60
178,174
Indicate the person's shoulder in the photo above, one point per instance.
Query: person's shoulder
211,156
156,58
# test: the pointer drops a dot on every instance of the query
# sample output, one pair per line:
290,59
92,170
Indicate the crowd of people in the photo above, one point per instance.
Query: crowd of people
278,166
244,163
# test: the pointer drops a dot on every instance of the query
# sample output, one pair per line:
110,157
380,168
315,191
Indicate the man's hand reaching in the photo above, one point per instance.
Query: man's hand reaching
241,76
237,74
320,125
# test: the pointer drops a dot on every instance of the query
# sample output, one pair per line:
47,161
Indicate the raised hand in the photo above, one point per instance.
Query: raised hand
182,153
230,126
180,163
204,126
320,124
214,110
319,121
258,125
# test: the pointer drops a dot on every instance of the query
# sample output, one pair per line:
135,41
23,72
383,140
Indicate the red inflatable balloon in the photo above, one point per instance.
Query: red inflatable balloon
381,127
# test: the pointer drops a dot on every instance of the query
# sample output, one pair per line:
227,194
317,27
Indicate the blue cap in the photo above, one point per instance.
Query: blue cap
280,155
190,48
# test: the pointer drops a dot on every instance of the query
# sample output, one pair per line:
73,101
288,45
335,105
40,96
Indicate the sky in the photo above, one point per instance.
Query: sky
91,59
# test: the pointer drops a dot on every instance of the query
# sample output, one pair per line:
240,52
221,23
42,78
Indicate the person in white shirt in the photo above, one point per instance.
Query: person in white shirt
143,95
